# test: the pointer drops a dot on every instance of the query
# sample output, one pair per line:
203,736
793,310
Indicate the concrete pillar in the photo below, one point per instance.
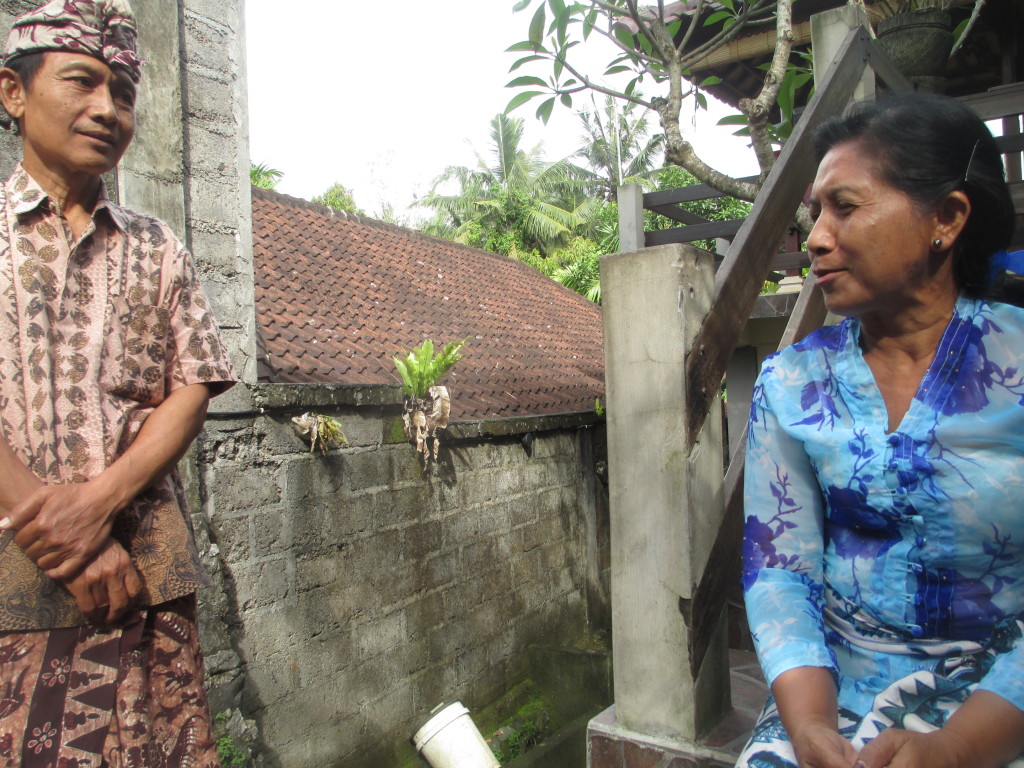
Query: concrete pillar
665,497
150,177
828,30
217,191
631,218
740,376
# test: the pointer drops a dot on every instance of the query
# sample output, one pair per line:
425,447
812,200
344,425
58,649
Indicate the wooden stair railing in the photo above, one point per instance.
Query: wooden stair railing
737,285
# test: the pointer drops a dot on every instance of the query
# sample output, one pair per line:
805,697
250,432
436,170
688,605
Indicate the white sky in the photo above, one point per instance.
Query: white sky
382,96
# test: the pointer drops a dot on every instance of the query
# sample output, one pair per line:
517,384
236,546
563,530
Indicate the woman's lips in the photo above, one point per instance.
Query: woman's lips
823,277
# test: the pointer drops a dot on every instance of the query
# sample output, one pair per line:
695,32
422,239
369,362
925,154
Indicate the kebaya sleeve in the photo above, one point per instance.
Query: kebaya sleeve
783,544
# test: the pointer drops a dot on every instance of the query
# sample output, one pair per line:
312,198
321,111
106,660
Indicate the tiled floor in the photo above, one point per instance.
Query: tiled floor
611,746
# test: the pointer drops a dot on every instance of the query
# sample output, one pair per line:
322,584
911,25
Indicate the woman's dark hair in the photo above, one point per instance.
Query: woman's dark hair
25,67
927,146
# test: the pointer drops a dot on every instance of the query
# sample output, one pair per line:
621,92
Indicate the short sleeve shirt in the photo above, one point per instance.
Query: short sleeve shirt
94,334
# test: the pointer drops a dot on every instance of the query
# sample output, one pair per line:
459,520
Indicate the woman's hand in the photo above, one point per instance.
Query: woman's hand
63,527
819,745
107,587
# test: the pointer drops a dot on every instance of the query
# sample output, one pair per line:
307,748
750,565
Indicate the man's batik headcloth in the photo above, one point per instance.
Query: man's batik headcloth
104,29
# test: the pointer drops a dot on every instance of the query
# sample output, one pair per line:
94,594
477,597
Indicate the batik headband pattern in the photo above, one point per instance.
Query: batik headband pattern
104,29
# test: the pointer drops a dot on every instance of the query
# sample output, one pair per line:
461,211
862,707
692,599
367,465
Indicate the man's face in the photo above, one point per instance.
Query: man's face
77,116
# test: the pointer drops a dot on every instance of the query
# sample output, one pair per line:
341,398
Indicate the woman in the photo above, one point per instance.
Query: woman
884,544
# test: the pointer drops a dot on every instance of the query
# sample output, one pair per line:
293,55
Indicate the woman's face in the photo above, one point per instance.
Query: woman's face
871,247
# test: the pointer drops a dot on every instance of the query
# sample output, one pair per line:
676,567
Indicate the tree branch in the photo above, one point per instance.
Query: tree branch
758,109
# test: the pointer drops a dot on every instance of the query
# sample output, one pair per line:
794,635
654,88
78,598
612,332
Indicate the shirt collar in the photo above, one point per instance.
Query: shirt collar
24,195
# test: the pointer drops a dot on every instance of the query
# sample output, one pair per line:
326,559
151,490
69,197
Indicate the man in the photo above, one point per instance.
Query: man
108,358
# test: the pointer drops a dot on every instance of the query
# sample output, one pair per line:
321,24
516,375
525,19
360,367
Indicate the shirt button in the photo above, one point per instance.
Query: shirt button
917,631
901,491
919,541
894,439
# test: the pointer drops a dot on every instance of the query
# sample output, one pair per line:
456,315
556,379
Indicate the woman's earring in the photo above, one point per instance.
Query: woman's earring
937,243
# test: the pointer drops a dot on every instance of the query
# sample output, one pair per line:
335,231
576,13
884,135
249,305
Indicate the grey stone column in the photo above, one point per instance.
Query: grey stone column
665,496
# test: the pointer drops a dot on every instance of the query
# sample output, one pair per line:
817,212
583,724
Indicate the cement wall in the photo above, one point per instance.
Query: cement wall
352,592
356,591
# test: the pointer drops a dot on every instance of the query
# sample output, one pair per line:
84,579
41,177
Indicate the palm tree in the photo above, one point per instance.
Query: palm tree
263,176
617,149
516,203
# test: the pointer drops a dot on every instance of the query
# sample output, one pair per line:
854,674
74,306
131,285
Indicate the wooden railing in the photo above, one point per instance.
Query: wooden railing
667,505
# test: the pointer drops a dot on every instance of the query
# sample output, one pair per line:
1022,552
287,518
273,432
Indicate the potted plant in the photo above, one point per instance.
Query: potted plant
917,36
427,405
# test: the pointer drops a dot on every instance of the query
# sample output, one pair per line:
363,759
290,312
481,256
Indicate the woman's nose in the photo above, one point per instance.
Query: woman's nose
820,240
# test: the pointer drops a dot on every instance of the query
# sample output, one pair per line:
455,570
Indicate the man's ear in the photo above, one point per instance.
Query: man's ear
12,92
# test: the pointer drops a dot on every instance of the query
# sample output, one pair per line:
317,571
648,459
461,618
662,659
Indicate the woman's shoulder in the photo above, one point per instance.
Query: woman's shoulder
808,354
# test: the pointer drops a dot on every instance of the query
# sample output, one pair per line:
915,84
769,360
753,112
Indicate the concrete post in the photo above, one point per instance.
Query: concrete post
151,175
631,218
739,381
828,30
666,499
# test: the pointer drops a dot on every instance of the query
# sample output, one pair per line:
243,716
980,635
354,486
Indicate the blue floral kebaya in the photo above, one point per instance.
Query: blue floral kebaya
894,560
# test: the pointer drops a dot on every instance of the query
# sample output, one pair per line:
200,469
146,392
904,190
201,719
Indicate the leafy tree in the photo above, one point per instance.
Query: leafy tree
338,197
263,176
655,45
617,148
516,203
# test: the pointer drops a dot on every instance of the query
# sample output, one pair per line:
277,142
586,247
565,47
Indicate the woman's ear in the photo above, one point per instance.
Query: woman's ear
12,93
951,217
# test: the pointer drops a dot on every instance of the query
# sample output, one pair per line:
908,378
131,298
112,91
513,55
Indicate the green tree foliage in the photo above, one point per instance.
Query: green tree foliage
617,149
338,197
656,46
518,203
263,176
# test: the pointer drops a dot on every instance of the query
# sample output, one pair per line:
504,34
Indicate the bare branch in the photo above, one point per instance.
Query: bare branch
694,18
587,82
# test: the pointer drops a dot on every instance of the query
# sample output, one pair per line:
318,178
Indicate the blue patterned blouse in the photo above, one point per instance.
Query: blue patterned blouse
922,529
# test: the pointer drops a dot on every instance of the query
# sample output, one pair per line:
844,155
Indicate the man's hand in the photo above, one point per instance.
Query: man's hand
62,527
107,587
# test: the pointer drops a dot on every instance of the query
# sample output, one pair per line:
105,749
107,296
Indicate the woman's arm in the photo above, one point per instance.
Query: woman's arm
807,702
783,573
986,731
62,527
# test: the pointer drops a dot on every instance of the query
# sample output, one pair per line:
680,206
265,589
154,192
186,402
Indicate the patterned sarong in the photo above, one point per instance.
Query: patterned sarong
83,697
921,701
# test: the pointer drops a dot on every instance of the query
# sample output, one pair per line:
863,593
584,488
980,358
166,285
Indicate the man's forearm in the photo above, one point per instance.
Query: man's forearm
165,436
17,482
62,527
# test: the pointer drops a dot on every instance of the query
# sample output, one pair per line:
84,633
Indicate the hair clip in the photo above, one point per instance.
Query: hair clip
971,160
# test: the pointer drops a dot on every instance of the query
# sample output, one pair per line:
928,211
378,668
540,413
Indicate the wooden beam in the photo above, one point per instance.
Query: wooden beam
738,282
996,102
686,194
884,68
723,569
676,213
693,232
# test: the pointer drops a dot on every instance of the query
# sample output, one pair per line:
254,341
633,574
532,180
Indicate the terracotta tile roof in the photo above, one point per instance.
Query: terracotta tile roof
337,296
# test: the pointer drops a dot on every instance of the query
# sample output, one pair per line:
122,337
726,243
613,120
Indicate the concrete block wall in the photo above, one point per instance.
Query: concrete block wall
356,591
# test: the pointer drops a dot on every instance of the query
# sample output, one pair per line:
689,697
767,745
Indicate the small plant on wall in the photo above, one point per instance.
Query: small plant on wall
427,405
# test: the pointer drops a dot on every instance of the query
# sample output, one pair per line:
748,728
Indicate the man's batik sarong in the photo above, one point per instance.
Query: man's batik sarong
82,697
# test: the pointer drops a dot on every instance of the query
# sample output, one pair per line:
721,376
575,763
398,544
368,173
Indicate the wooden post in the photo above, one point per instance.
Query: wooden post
665,497
631,218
